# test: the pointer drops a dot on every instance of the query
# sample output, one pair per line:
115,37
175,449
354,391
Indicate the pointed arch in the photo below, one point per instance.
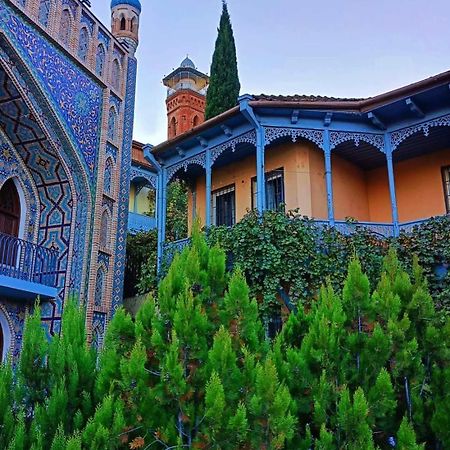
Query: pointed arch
112,124
134,25
104,230
83,44
115,74
107,180
123,23
195,121
100,60
99,287
6,336
65,27
44,12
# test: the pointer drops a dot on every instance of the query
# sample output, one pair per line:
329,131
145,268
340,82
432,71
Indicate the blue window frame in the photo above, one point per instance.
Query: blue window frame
224,206
274,189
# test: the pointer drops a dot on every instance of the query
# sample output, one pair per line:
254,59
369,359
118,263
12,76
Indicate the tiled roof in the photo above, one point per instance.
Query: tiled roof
303,98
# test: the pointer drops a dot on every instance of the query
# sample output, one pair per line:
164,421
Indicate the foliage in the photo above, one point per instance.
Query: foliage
141,256
362,367
224,86
291,252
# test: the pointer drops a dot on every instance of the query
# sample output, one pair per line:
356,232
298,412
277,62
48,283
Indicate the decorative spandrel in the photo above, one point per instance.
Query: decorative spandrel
249,138
339,137
274,133
199,160
397,137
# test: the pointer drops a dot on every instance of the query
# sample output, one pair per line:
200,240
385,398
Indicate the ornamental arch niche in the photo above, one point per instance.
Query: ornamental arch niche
38,135
142,194
5,336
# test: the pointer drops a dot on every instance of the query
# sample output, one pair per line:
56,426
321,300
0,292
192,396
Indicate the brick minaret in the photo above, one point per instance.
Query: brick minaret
125,22
186,98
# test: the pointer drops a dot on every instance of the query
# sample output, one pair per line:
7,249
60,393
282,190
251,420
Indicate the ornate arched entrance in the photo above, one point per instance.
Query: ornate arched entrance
9,209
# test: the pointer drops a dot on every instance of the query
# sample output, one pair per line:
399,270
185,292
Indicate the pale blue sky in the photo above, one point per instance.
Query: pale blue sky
348,48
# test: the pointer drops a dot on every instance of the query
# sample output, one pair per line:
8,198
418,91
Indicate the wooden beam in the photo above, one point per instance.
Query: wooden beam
376,121
416,110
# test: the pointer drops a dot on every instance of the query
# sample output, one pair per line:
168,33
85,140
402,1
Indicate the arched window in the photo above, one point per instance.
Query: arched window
44,12
99,286
173,127
83,44
123,23
107,185
196,121
112,125
104,230
115,74
100,60
134,25
9,209
64,27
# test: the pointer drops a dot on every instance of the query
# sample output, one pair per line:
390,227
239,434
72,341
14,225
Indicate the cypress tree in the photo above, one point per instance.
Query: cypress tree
224,85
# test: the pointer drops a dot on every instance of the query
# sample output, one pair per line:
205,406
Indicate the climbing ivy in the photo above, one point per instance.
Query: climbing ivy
289,251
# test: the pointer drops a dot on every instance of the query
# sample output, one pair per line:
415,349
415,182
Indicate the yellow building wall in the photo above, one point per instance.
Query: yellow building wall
139,203
419,186
363,195
349,190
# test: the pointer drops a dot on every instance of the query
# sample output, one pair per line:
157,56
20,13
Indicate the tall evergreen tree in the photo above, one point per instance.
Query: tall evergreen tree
224,85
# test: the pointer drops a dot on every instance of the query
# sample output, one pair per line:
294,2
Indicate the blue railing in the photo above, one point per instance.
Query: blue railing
140,222
25,261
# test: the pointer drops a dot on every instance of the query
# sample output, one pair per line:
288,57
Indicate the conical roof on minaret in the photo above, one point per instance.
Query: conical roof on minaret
134,3
187,70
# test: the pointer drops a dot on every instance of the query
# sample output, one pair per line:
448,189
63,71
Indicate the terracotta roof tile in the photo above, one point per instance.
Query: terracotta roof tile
304,98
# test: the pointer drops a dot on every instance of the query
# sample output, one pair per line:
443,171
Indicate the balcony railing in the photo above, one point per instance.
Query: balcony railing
25,261
140,222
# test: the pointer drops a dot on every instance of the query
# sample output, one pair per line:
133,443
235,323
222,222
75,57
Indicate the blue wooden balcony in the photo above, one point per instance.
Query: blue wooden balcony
27,270
140,222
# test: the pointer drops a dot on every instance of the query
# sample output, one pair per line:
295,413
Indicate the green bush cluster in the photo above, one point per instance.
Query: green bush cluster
292,252
364,368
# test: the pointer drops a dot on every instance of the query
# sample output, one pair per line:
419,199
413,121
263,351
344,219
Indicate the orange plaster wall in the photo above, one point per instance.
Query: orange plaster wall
379,196
349,190
419,187
301,184
318,184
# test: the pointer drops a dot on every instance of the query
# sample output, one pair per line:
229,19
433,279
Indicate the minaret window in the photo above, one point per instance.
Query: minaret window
83,45
64,30
196,121
123,23
100,60
173,127
134,25
44,12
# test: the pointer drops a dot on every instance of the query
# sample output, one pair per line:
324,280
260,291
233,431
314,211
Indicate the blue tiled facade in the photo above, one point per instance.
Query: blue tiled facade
54,145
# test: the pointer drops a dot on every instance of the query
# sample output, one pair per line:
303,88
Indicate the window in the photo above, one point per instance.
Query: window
64,28
224,207
98,299
44,12
100,60
112,125
446,180
83,45
123,23
274,189
134,25
173,127
115,75
196,121
108,176
104,232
